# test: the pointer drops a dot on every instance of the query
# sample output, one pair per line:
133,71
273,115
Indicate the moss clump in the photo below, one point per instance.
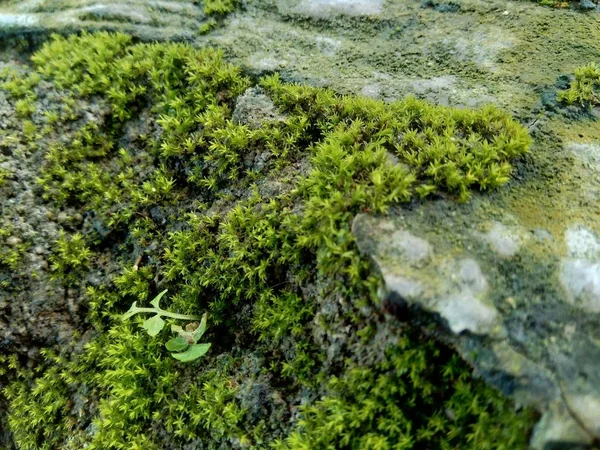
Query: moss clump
70,259
585,88
12,248
4,175
396,404
182,204
218,7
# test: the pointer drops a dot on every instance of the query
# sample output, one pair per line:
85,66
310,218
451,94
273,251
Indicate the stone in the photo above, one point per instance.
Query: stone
254,107
587,4
580,270
326,8
526,320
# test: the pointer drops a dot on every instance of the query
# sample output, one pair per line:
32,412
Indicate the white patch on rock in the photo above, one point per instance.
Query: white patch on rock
587,408
261,62
372,90
414,249
580,271
582,243
7,20
482,46
463,307
436,84
403,286
472,277
505,241
464,311
588,153
325,8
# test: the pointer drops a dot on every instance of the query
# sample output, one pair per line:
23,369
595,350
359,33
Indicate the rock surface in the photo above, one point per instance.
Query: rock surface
522,308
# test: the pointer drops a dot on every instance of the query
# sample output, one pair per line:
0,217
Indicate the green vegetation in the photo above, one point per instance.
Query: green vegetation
266,249
71,258
218,7
368,408
186,342
4,175
216,10
12,248
585,88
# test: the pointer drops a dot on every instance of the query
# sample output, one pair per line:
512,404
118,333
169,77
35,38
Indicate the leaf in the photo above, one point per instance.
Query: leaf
133,310
156,300
198,332
194,352
153,325
177,329
177,344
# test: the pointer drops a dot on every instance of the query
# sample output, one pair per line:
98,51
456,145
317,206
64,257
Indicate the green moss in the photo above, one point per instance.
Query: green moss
12,248
263,248
4,175
218,7
396,404
585,87
70,259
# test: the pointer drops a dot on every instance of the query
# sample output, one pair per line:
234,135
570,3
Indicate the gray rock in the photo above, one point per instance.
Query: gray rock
587,4
254,108
504,300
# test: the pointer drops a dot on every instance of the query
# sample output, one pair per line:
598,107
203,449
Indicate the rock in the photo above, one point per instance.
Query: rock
580,270
587,4
326,8
254,107
525,319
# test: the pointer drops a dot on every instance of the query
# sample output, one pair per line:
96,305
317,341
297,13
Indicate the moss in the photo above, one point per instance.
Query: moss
4,175
396,405
12,248
218,7
263,248
585,87
70,259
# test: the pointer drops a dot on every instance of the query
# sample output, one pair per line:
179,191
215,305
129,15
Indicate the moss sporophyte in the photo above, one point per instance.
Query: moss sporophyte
249,225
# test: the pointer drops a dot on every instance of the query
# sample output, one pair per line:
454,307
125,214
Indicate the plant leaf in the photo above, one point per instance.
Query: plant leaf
156,300
194,352
153,325
130,312
177,344
198,332
177,329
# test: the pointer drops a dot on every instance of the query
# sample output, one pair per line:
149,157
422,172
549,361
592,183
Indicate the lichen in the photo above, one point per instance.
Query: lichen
173,193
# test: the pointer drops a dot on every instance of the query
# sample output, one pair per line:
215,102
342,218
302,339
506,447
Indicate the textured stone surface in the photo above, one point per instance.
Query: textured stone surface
522,309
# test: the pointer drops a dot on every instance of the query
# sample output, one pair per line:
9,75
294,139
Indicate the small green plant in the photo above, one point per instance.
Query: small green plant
585,88
4,174
186,343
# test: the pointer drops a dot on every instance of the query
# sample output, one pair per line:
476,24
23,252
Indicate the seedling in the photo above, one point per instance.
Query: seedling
186,343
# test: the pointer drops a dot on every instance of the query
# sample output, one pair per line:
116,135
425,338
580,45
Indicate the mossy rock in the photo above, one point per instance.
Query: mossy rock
248,219
238,194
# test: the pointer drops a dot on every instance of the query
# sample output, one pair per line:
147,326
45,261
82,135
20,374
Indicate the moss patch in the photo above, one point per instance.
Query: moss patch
251,224
585,87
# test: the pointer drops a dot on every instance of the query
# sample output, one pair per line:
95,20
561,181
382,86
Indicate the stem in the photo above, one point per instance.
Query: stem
162,312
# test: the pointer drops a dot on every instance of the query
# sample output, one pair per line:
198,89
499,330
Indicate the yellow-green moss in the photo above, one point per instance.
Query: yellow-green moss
261,248
585,88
